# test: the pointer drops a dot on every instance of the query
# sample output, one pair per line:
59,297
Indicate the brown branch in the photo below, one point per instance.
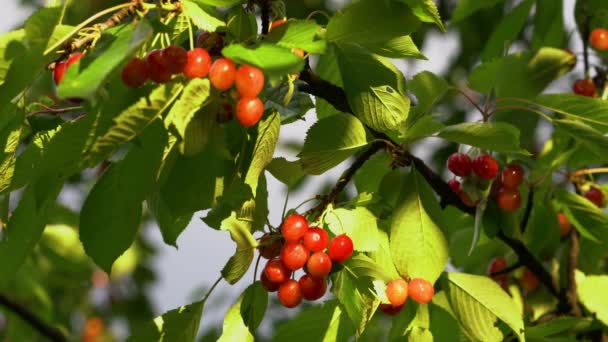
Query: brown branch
265,8
345,178
506,270
569,295
41,326
529,202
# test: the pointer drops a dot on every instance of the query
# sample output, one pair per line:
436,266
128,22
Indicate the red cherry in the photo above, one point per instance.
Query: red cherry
485,166
460,164
508,200
198,64
318,265
222,74
529,281
596,196
420,290
564,225
249,110
512,176
249,81
312,288
315,239
294,255
340,248
276,23
599,39
276,271
396,292
62,67
454,185
213,42
135,73
269,285
294,227
389,309
497,264
174,59
584,87
158,73
270,246
290,293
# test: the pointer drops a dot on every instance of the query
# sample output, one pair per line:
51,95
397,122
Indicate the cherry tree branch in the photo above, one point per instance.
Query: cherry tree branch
529,202
506,270
36,322
265,8
569,303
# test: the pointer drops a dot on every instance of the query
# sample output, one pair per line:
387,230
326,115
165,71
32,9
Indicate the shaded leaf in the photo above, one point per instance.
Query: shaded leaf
494,136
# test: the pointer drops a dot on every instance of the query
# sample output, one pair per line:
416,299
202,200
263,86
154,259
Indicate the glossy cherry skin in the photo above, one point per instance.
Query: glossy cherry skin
420,290
312,288
584,87
529,281
454,185
599,39
270,246
396,292
294,255
249,111
269,285
318,265
249,81
497,264
135,73
508,200
564,225
62,67
174,59
340,248
276,23
198,63
276,271
158,72
315,239
460,164
294,227
222,74
213,42
512,176
485,167
389,309
596,196
290,293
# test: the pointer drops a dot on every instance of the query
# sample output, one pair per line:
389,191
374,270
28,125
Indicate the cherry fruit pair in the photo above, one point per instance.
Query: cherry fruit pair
398,290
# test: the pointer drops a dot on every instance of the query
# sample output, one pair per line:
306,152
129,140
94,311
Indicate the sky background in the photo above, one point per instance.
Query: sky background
202,252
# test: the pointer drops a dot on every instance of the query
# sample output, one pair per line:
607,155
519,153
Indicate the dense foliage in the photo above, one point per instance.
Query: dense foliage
157,110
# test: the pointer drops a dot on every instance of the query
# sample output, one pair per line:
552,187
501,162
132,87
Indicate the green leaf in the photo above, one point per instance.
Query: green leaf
10,137
179,325
557,326
219,3
239,263
330,141
494,136
364,266
382,256
592,111
359,224
242,25
426,11
465,8
297,107
428,88
274,60
585,216
133,120
26,224
443,323
84,78
400,47
287,172
417,244
326,323
359,23
374,87
523,74
200,15
507,31
586,135
193,97
412,324
548,24
327,68
9,49
244,317
478,302
592,294
369,176
301,34
112,211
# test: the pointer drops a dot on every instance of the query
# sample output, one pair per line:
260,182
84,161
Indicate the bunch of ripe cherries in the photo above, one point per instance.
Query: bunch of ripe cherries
599,41
505,189
398,290
300,246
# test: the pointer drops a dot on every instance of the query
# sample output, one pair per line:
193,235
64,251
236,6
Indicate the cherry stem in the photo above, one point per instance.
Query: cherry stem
583,172
212,288
255,270
466,96
48,109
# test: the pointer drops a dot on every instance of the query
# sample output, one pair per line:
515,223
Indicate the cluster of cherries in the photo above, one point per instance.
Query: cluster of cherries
160,65
504,189
397,291
599,41
300,246
528,281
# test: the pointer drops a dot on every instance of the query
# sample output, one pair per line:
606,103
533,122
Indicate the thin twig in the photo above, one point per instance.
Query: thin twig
529,202
588,172
569,302
44,328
